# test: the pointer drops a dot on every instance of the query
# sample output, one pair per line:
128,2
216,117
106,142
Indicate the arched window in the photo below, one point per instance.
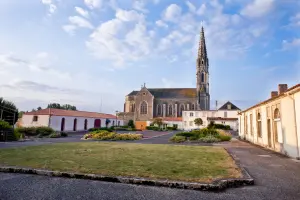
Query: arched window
144,108
193,107
202,77
202,62
180,110
85,124
75,125
276,120
258,125
276,114
170,110
158,109
62,125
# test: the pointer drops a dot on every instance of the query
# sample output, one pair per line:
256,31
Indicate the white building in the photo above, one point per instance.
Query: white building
68,120
226,115
275,123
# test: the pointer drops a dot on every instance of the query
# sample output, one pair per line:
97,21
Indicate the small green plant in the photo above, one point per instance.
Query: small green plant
54,135
186,134
131,123
209,139
4,125
198,121
177,139
224,137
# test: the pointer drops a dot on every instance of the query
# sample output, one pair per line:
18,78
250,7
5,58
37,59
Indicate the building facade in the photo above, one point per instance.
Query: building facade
274,123
148,103
226,115
68,120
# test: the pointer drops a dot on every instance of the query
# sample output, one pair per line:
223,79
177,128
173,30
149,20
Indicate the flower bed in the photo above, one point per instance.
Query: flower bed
106,135
204,135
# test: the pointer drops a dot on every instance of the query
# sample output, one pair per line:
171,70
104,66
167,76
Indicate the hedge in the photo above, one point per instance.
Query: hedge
35,131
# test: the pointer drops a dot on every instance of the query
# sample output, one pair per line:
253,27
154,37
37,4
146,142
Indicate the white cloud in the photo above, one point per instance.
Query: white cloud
92,4
292,44
295,20
202,9
139,5
82,12
172,13
124,38
52,6
258,8
161,23
192,7
75,23
128,16
174,38
80,22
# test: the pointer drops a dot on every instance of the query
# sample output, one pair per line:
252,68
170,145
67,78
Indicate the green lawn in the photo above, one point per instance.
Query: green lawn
186,163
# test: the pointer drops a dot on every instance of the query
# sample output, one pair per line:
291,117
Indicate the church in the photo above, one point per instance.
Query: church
169,103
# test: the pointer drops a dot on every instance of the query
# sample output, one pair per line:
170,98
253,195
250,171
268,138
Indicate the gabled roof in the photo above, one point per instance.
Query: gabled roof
233,107
70,113
273,98
166,93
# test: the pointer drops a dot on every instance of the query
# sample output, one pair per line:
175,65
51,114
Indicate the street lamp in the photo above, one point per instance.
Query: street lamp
117,119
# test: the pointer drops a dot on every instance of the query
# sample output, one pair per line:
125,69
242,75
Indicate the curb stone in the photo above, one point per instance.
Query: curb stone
217,185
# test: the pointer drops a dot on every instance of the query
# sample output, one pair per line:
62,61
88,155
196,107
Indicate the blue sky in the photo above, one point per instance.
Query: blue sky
85,52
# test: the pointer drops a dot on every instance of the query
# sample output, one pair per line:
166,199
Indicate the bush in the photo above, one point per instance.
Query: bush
99,129
131,123
128,136
4,125
172,128
209,139
153,128
218,126
186,134
17,135
63,134
106,135
177,139
34,131
54,135
224,137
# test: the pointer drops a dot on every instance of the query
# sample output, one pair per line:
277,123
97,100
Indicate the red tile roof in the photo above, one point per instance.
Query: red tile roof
72,113
221,118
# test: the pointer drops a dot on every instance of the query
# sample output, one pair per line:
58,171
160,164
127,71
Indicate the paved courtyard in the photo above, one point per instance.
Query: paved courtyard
276,177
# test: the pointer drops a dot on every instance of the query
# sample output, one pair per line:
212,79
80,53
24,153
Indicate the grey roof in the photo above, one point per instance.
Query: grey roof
170,92
233,107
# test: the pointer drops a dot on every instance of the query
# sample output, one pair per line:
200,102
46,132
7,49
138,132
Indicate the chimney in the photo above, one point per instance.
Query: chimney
282,88
274,94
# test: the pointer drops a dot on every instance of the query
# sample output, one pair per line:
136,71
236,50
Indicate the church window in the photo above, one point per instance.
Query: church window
181,110
202,62
191,114
193,107
144,93
170,110
202,77
158,109
144,107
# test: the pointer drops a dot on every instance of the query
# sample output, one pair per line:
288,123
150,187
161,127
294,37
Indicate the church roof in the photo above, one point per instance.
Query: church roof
225,106
166,93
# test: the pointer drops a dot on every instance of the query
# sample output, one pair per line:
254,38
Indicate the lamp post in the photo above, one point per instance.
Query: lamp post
117,119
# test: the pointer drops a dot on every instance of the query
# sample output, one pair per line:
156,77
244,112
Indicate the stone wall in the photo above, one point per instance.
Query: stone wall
126,116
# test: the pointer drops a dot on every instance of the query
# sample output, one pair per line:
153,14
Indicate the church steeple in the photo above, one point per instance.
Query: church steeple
203,97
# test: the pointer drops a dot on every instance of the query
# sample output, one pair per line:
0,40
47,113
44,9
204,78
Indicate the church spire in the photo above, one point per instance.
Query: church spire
202,73
202,53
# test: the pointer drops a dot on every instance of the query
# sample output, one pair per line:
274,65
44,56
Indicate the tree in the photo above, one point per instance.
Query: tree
39,108
198,121
131,123
158,122
8,111
64,107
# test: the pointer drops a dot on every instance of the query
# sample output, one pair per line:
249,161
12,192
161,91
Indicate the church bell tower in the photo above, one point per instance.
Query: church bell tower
203,97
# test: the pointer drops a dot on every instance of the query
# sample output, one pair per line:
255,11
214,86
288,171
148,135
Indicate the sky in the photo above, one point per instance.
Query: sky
92,53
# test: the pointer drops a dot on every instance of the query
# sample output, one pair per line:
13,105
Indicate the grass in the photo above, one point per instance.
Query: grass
186,163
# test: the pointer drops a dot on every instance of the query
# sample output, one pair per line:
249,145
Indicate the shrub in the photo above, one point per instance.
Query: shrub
131,123
44,131
54,135
4,125
224,137
177,139
209,139
102,128
63,134
186,134
172,128
17,135
154,128
206,131
34,131
128,136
